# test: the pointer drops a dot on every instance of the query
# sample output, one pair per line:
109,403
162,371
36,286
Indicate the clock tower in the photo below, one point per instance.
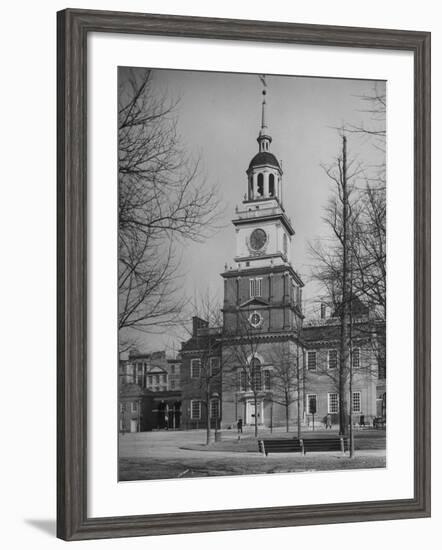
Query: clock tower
262,284
262,309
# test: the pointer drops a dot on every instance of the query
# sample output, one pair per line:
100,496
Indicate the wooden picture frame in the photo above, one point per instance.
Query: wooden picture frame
73,28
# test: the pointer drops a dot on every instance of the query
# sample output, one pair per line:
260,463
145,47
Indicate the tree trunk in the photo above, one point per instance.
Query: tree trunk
255,399
287,417
298,384
208,433
343,355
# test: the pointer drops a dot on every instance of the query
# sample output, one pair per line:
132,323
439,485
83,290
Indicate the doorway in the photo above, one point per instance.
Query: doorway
250,411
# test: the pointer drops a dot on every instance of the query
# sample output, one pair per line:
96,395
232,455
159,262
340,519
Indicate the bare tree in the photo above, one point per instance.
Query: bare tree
333,269
162,201
286,378
369,234
242,367
207,311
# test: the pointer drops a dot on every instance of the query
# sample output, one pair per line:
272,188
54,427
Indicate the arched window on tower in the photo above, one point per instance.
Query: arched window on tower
255,375
271,185
260,190
251,187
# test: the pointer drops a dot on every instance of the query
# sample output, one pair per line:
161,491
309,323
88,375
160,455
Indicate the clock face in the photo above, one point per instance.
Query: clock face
258,239
255,319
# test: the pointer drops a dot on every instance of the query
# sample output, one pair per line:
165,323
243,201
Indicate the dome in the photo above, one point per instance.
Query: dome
264,157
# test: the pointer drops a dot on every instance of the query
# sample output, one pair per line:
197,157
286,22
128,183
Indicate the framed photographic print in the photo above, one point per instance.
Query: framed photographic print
243,274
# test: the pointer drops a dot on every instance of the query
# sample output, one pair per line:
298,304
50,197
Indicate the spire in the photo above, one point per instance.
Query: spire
263,115
264,139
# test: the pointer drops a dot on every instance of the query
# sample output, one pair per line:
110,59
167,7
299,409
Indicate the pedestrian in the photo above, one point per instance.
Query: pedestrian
239,425
328,422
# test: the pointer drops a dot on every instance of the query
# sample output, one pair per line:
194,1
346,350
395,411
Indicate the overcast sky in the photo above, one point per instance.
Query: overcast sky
219,119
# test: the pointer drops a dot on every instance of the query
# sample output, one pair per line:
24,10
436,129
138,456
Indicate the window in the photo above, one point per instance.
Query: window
195,368
214,366
256,378
150,380
260,189
214,408
311,360
356,404
255,287
242,380
333,403
121,407
172,369
356,358
267,383
195,410
134,406
164,378
271,185
157,379
332,358
312,403
172,384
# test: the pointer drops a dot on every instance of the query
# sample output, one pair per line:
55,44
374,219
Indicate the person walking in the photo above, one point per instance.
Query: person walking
239,425
328,422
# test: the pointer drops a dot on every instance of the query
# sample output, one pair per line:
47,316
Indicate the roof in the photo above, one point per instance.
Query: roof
358,308
264,158
330,330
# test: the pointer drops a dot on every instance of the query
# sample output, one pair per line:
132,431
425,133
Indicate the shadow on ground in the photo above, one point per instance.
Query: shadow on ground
48,526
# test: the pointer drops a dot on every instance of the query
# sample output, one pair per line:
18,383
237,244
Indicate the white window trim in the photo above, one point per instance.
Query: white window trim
211,361
192,362
329,402
359,358
316,360
309,395
360,402
192,417
255,287
328,359
215,400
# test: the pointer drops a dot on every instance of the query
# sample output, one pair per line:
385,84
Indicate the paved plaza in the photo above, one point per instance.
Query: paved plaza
172,454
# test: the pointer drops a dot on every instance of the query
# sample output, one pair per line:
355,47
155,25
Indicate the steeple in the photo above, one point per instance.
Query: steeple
264,171
264,138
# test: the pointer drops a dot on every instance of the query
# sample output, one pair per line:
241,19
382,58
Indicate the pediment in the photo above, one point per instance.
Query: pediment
254,302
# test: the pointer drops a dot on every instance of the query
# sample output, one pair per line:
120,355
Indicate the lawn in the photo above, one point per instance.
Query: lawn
132,469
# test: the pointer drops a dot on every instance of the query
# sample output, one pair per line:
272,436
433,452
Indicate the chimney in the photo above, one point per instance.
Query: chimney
198,323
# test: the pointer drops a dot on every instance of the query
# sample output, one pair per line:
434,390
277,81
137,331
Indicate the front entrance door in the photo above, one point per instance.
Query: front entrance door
133,425
250,412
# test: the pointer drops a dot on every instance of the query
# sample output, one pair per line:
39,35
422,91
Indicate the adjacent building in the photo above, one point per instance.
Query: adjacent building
149,392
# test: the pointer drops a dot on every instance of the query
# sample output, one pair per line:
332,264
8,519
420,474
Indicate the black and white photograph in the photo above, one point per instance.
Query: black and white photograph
251,274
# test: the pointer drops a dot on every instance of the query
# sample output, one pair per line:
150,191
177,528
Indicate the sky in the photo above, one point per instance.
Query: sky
218,117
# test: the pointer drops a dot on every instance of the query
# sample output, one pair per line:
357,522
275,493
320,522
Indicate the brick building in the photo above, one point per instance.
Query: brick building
264,332
149,392
201,376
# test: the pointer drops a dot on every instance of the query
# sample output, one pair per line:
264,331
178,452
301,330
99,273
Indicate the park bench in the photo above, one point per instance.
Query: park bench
311,444
323,444
267,446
